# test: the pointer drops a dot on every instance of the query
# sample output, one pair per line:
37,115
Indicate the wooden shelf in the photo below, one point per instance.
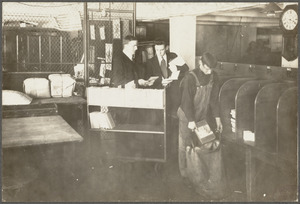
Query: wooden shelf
140,140
134,128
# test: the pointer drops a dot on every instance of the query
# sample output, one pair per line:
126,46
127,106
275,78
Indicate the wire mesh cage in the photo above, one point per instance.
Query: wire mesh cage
109,23
38,37
48,36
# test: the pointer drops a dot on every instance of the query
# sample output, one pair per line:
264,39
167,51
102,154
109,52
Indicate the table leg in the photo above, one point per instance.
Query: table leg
69,163
250,172
80,122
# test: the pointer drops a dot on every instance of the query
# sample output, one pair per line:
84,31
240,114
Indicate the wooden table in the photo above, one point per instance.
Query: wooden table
35,131
17,132
77,104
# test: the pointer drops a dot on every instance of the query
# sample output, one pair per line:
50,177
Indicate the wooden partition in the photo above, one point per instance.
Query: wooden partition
287,125
265,111
257,71
244,105
227,103
224,78
240,85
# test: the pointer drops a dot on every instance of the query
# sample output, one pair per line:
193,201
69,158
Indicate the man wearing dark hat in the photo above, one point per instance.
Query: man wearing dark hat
199,90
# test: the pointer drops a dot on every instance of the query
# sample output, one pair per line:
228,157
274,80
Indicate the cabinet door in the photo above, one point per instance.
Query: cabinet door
66,49
45,57
55,49
22,54
9,51
45,53
33,52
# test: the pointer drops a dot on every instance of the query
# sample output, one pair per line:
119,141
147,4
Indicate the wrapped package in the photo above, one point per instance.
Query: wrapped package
204,133
62,85
101,120
37,87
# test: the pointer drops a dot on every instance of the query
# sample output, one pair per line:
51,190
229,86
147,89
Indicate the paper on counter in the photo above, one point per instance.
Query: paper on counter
166,81
153,78
178,61
248,136
130,85
174,76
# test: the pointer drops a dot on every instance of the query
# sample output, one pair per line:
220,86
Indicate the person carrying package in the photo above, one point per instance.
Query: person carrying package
199,92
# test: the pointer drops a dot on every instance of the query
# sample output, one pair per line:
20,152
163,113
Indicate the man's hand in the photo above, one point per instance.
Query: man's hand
143,82
192,125
219,125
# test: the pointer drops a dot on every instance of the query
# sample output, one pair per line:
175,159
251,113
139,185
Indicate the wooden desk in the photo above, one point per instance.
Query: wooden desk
17,132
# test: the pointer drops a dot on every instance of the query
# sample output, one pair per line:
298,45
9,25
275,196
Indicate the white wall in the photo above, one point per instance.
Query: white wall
183,38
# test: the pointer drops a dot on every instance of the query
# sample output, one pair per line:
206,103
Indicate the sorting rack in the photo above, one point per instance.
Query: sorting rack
268,107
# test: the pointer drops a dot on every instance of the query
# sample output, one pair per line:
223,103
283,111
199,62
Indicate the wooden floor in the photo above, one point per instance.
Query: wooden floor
90,174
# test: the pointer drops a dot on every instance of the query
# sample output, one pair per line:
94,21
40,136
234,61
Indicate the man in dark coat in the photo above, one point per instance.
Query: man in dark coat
124,69
125,75
159,65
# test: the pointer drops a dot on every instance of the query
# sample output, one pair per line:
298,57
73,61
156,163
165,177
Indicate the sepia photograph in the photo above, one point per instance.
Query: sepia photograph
149,101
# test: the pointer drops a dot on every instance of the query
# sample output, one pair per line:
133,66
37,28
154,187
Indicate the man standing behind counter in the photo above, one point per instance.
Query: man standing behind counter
124,71
159,65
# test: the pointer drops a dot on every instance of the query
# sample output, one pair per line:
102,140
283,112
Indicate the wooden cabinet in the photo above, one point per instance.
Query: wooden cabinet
36,49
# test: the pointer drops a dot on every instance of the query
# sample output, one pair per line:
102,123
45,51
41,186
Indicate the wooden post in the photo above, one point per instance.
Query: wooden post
86,43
